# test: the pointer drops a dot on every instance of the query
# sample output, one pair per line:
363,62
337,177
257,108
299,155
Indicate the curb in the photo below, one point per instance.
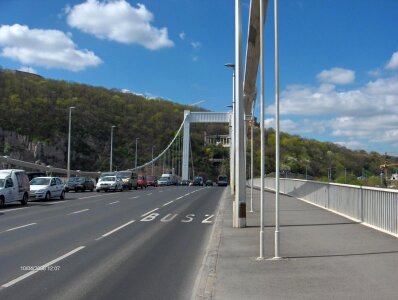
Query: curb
204,287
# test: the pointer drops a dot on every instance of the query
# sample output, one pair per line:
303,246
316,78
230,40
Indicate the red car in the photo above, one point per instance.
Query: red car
151,181
141,181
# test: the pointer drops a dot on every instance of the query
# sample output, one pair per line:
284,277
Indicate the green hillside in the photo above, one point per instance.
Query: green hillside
38,108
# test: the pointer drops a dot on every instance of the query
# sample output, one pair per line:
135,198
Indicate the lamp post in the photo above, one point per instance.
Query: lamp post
111,155
69,141
232,142
152,160
136,148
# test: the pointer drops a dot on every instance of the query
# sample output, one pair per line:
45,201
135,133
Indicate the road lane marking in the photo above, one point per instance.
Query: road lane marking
43,267
79,211
149,212
118,228
12,209
149,194
180,198
113,202
135,197
15,228
95,196
160,191
168,203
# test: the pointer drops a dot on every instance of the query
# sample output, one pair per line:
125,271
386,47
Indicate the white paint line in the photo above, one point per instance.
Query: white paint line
113,202
186,194
168,203
12,209
149,212
160,191
135,197
149,194
15,228
118,228
43,267
79,211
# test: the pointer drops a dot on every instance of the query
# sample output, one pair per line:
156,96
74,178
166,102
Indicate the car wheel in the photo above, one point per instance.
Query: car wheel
62,196
47,197
24,200
1,202
84,188
98,191
91,190
135,188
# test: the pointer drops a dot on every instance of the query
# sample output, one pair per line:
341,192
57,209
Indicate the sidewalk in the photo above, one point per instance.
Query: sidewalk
325,256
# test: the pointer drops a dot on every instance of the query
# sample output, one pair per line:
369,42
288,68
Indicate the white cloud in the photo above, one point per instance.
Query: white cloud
336,76
182,35
46,48
393,63
195,58
355,145
117,20
196,45
28,70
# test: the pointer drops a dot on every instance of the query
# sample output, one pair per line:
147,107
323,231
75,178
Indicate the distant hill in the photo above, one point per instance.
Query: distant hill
34,123
34,127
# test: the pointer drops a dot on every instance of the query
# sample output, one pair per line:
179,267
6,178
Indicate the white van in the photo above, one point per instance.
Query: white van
14,186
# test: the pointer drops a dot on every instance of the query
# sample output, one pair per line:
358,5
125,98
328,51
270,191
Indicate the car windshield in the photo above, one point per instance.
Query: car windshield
2,181
108,178
80,179
222,178
125,174
140,177
164,178
73,179
40,181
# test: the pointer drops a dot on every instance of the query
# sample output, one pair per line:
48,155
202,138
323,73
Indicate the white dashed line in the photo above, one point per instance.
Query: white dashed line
79,211
43,267
15,228
118,228
149,194
168,203
113,202
135,197
149,212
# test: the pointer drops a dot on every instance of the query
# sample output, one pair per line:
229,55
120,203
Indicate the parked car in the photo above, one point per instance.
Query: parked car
164,181
185,182
172,178
109,183
151,181
46,188
222,180
209,182
80,183
129,179
198,180
32,175
141,181
14,186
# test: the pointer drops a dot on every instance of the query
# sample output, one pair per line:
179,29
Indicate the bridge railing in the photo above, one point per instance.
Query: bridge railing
375,207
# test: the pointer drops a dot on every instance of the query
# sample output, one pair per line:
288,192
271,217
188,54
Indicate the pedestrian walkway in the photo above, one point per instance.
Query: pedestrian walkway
325,256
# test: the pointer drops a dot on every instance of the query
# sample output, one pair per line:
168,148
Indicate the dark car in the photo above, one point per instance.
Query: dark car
80,183
222,180
198,180
209,183
151,181
185,182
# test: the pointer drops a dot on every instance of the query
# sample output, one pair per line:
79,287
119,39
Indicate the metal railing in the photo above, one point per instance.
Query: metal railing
374,207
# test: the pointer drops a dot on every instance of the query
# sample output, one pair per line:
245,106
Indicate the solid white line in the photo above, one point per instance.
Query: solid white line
79,211
7,210
113,202
135,197
15,228
149,212
168,203
118,228
96,196
18,279
149,194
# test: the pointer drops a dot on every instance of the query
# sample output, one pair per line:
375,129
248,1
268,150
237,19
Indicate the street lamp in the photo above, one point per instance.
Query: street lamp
152,160
232,142
69,138
136,148
111,155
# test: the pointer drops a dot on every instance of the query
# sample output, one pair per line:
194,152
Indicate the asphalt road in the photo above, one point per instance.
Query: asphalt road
144,244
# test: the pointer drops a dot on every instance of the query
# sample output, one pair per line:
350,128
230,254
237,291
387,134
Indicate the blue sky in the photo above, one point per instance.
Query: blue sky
338,59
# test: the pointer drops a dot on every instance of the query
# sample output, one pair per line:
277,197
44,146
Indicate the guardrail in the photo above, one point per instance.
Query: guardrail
375,207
